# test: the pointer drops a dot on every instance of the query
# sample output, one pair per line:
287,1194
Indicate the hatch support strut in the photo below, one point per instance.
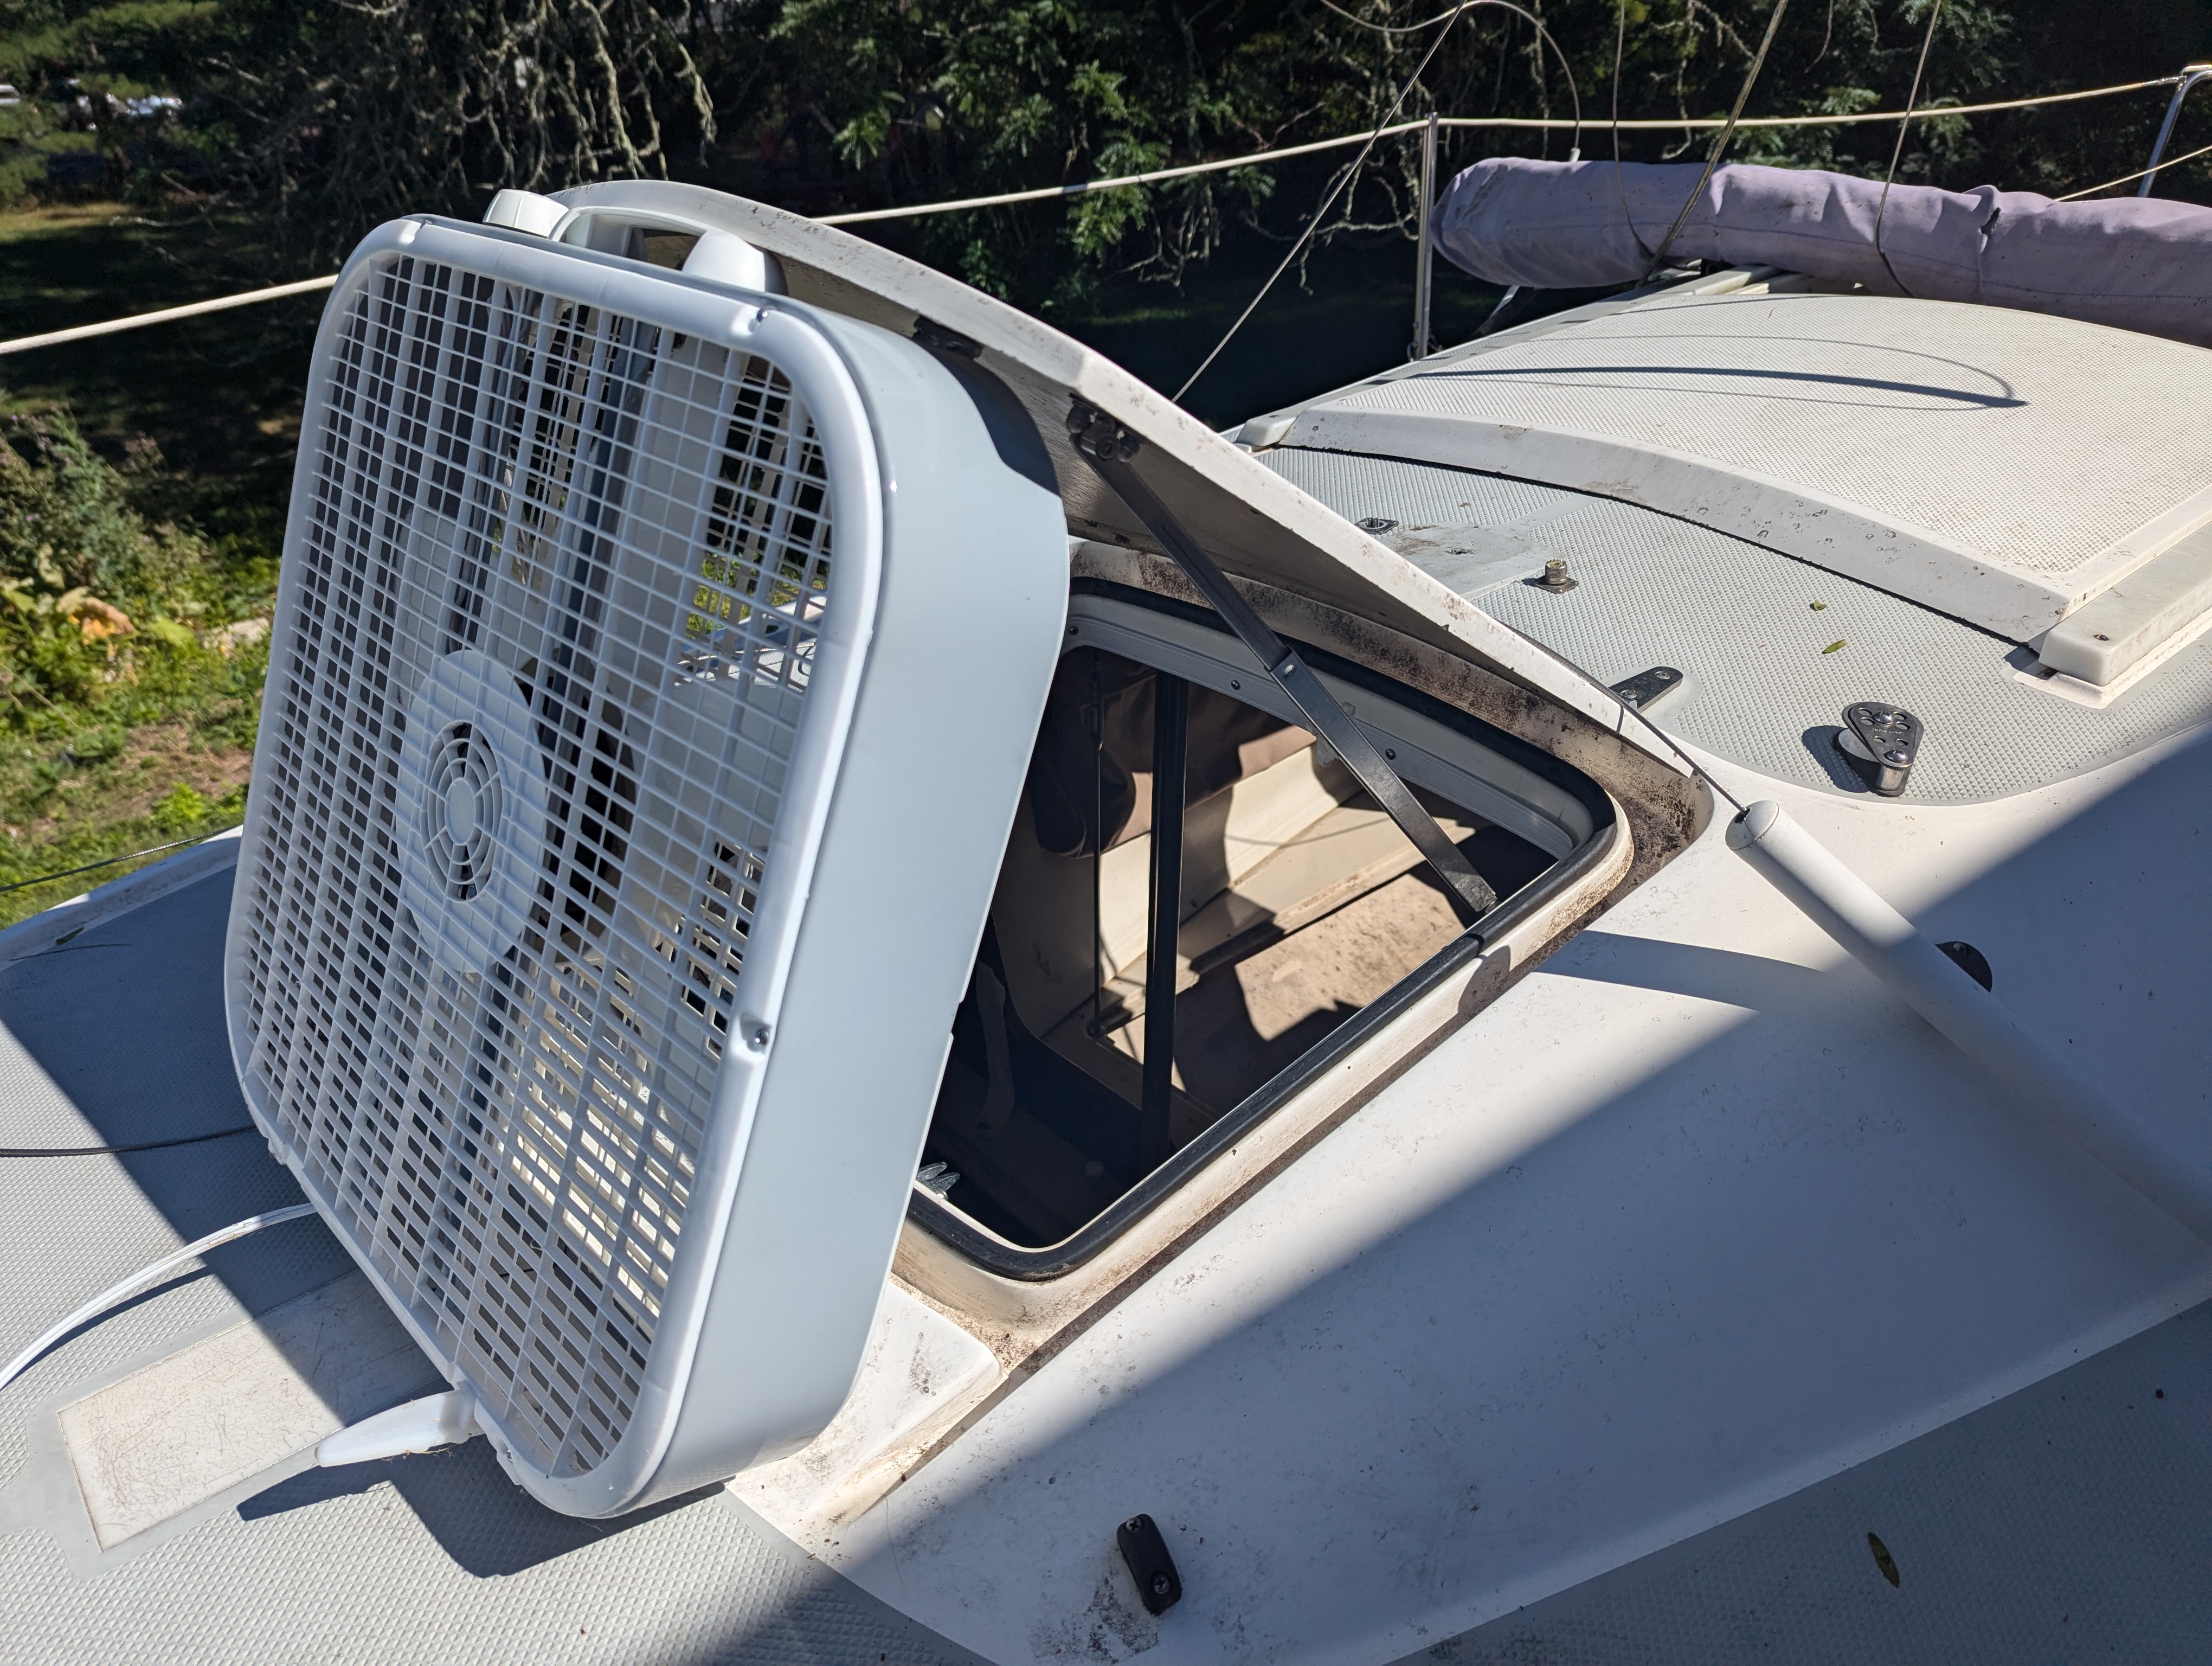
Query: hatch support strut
1170,754
1109,447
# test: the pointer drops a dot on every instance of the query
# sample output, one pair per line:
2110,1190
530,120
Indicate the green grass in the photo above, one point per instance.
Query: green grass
220,395
103,754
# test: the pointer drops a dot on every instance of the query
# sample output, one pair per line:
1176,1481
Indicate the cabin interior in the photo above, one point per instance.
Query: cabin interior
1297,902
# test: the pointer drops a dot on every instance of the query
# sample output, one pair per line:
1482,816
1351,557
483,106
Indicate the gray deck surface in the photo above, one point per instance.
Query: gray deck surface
2070,1522
2067,1522
1762,689
117,1036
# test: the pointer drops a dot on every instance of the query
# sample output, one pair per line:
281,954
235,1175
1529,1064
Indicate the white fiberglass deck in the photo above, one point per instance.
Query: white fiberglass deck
116,1037
1998,465
1511,1326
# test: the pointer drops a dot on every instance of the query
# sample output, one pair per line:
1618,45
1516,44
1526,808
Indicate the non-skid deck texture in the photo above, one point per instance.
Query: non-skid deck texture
117,1036
1768,672
2067,1522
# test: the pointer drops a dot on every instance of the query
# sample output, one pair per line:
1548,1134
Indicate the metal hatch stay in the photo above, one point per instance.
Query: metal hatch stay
1108,447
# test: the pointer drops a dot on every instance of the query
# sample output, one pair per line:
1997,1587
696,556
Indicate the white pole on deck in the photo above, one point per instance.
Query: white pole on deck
2032,1075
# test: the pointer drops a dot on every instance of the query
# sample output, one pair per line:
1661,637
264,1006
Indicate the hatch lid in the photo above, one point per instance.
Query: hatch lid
1255,524
2001,466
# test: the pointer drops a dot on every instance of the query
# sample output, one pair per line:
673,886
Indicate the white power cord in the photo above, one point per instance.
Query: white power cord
143,1277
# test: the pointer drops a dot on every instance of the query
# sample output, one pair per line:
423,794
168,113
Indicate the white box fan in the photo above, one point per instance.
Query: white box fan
655,666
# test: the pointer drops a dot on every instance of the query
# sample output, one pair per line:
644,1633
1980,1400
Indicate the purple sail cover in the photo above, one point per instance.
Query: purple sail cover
2137,264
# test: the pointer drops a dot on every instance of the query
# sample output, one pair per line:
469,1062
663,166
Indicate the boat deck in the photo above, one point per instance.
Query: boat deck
2063,1522
116,1037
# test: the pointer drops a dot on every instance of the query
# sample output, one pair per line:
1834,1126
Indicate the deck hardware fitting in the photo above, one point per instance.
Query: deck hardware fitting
1108,446
1377,524
1883,741
1555,578
1883,1559
1159,1587
1971,961
1648,688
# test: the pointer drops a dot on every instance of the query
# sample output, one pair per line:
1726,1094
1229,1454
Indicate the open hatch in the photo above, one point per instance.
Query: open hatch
1352,837
1299,907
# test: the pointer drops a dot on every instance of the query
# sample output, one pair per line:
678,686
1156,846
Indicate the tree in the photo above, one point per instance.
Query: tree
327,116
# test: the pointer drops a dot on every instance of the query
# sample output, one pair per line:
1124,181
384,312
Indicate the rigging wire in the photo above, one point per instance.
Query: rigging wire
1543,33
1392,29
2128,179
1360,161
116,1293
1720,143
1619,52
1004,199
1897,150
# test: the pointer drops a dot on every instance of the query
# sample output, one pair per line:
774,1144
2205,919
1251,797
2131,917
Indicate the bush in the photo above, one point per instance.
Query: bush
181,811
104,614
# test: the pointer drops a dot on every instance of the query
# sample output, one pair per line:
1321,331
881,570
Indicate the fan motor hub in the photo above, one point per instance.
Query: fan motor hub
461,810
474,794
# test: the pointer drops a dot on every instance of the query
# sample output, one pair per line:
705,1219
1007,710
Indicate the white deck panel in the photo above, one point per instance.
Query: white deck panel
1610,1267
1693,1217
1998,465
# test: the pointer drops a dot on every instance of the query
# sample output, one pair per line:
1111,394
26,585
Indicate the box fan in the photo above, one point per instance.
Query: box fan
655,667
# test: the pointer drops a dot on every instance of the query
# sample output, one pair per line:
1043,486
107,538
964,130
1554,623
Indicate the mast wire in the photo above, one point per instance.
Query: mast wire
1897,150
1727,132
1360,161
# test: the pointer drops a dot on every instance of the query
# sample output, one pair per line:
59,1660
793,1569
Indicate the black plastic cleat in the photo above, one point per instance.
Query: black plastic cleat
1159,1587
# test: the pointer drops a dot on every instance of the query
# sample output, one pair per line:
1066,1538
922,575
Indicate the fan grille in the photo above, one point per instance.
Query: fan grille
634,527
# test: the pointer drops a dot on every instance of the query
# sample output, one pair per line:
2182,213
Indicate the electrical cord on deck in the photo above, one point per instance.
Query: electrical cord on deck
91,868
116,1294
119,1151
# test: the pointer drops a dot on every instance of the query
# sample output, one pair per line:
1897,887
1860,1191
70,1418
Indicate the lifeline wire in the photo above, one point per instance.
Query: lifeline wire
1360,162
1720,143
1897,149
1517,123
168,315
144,1276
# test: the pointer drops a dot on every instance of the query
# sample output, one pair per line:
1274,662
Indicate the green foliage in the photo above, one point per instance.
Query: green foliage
131,649
102,611
180,811
327,116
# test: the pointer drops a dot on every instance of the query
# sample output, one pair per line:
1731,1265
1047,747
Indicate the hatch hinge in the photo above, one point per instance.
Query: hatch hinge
1109,447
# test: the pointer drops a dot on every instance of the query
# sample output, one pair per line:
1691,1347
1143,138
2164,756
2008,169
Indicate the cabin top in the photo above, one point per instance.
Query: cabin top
2000,466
